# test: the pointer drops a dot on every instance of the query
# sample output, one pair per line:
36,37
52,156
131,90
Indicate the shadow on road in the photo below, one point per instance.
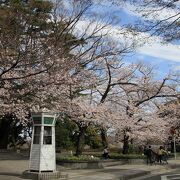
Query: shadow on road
10,174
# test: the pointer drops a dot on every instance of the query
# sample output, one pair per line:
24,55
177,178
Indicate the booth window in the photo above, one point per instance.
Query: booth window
47,135
37,130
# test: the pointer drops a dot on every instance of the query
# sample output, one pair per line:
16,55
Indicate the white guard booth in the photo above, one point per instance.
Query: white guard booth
42,154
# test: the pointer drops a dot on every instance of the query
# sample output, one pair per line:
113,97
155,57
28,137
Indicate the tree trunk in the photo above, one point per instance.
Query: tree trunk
125,144
104,137
80,141
172,147
4,132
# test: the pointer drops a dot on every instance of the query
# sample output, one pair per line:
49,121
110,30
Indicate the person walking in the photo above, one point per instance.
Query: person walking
145,150
149,154
106,152
161,153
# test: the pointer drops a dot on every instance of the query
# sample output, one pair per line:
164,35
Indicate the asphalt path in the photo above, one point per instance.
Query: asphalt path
12,165
175,175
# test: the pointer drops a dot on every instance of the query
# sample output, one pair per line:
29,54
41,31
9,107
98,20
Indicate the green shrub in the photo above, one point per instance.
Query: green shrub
64,134
114,150
135,149
126,156
77,158
118,155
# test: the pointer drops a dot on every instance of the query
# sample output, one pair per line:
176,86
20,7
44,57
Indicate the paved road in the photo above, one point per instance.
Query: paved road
170,176
175,175
12,165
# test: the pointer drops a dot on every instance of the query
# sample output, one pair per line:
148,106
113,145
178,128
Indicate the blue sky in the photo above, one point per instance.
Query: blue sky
165,57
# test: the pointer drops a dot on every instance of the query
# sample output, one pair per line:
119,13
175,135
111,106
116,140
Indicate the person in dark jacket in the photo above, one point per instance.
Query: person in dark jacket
145,150
149,155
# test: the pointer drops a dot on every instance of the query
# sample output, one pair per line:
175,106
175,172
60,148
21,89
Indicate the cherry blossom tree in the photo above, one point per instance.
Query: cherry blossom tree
52,58
37,52
134,90
45,59
169,112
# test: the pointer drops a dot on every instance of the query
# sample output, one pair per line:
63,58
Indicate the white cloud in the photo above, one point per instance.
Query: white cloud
169,52
150,46
176,68
155,48
160,14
